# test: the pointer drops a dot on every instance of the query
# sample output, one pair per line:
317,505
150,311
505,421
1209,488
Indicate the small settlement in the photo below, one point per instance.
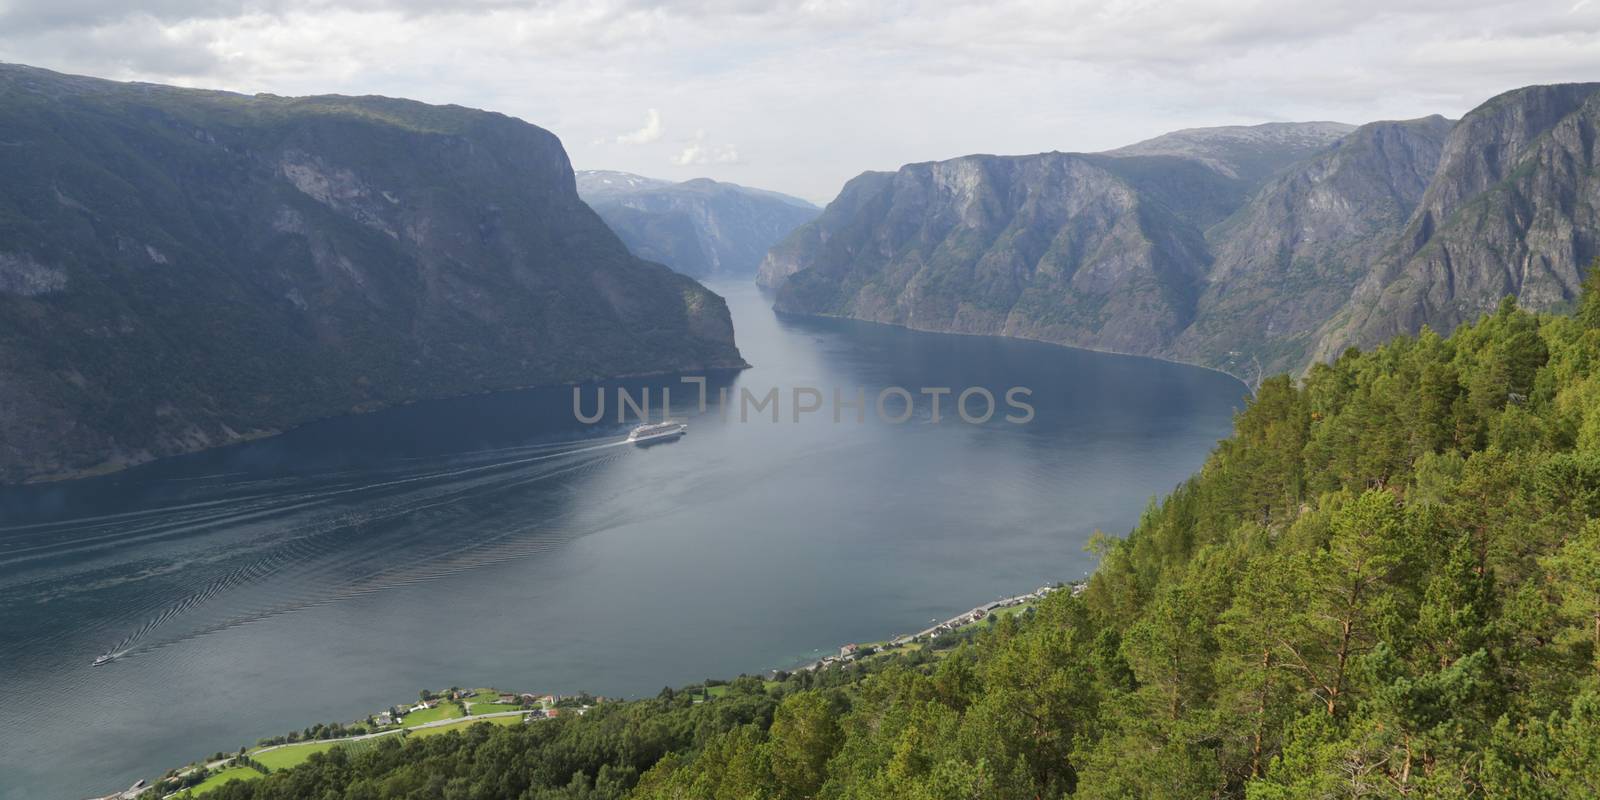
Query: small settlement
851,652
433,714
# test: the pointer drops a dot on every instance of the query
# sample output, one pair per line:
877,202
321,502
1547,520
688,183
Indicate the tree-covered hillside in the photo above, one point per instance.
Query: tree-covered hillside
1386,584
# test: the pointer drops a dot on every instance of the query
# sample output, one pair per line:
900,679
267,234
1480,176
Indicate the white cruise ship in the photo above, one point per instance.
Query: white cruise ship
657,431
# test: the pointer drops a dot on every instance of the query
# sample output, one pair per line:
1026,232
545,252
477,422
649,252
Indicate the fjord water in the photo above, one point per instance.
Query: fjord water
497,541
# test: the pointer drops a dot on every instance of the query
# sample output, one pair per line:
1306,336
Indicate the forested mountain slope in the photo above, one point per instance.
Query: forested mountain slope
1385,584
181,269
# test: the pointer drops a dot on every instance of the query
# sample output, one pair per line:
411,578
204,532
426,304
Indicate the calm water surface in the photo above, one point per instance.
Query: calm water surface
494,540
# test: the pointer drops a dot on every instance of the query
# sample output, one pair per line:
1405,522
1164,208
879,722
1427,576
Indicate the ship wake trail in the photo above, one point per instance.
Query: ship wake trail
224,506
410,527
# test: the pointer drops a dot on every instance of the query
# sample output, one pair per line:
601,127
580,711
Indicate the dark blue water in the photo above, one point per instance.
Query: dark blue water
495,540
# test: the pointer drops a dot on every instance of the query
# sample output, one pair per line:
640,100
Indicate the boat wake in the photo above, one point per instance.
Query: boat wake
236,552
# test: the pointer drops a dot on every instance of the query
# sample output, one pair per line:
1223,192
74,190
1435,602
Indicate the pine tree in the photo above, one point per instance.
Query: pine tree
1589,302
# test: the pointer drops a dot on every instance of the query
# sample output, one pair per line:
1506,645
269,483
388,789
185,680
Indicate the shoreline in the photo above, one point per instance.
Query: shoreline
1102,350
852,652
539,707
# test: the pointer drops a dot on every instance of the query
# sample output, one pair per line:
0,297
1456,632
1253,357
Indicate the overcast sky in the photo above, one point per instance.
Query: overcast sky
800,96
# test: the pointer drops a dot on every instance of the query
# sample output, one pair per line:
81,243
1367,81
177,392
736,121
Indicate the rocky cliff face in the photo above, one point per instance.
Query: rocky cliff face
1287,260
1252,250
700,227
1053,246
852,215
1513,209
181,269
1103,251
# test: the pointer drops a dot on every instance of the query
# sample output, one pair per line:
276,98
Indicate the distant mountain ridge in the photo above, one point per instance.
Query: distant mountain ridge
1248,249
1247,152
1105,251
699,227
181,269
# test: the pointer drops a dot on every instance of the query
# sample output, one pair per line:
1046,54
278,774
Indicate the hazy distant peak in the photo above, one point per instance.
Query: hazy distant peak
601,185
779,196
1242,151
1189,141
700,226
598,183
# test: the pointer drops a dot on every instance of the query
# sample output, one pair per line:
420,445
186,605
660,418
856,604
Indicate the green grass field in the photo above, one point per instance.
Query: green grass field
292,755
464,724
357,745
288,756
491,708
484,703
229,774
296,754
1012,610
445,710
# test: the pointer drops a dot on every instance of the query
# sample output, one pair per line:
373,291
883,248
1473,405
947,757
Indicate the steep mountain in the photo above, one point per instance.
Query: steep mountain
181,269
1290,258
1052,246
1514,209
1104,251
1252,250
699,227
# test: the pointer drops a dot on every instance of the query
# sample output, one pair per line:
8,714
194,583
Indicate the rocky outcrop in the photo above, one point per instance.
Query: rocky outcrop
1289,259
181,269
700,227
1513,209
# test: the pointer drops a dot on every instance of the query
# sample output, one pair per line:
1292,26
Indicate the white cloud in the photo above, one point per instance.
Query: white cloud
701,152
651,132
823,89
